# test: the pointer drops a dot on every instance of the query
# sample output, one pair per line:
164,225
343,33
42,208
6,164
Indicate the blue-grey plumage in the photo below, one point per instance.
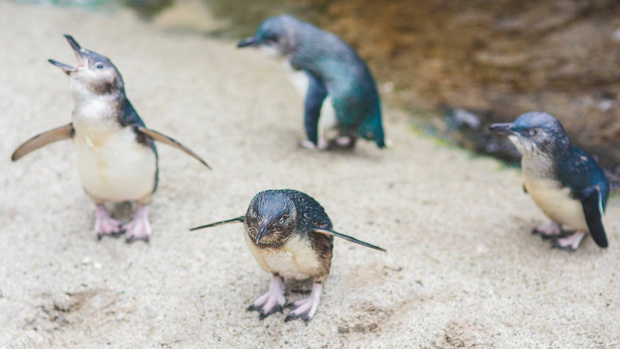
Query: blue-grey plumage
564,181
116,156
333,74
290,236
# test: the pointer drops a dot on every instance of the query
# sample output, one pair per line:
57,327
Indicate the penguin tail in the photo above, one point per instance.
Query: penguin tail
373,130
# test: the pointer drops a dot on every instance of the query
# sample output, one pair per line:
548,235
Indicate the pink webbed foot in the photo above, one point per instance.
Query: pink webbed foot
552,230
140,227
105,224
306,308
570,243
323,145
272,301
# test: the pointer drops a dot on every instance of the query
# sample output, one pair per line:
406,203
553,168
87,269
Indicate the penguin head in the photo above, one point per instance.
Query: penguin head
271,218
93,73
534,132
274,36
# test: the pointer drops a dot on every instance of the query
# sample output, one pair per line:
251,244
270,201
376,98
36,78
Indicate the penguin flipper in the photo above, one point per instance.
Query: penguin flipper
312,107
239,219
43,139
592,203
346,237
160,137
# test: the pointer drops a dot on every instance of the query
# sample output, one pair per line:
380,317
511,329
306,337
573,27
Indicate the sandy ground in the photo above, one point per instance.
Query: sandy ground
462,269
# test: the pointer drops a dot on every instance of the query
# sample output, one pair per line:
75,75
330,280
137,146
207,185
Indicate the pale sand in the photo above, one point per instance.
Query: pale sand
461,270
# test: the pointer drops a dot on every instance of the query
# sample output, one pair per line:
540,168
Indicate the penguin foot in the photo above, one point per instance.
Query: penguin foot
552,230
343,142
304,309
570,243
140,227
323,145
105,224
272,301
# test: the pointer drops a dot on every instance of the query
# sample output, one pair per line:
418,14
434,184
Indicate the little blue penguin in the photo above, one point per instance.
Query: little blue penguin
116,157
565,182
290,236
340,92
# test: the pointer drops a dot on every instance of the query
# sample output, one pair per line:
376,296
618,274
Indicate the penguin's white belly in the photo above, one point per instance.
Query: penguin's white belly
327,121
114,167
296,259
299,78
556,202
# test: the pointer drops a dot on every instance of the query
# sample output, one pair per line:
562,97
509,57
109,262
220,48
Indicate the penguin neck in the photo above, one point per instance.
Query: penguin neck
538,165
97,113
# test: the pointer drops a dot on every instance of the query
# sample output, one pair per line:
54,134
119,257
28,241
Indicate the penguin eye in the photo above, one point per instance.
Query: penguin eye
281,221
99,65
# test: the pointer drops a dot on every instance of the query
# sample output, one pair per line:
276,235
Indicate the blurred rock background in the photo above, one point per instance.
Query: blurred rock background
455,65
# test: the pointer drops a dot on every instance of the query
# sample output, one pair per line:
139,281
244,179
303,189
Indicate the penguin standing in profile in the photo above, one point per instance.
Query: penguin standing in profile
116,156
566,183
290,236
340,93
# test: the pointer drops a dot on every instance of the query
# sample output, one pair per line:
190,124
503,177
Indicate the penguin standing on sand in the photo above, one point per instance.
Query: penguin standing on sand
290,236
339,89
116,156
566,183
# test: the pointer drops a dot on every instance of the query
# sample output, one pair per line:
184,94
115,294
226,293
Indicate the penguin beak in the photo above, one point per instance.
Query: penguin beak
82,62
248,42
502,129
262,231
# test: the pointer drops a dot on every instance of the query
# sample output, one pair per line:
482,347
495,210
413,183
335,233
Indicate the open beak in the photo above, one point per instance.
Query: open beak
262,231
502,129
82,61
248,42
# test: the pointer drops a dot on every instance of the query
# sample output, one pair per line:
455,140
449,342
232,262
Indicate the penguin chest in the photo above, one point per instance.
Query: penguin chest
113,166
556,202
327,121
296,259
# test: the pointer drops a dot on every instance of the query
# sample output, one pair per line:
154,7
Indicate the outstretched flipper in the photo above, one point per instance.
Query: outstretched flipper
346,237
43,139
592,203
312,107
239,219
170,141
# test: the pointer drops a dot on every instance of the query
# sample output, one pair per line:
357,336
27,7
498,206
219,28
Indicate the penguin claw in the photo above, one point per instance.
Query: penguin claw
140,227
305,308
272,301
569,243
105,224
270,306
556,245
303,311
550,231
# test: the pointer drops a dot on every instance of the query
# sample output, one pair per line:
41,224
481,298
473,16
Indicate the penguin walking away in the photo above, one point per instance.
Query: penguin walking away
566,183
290,236
340,92
116,156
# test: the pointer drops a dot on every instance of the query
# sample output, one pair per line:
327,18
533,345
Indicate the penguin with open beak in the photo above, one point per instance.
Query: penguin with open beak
116,155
